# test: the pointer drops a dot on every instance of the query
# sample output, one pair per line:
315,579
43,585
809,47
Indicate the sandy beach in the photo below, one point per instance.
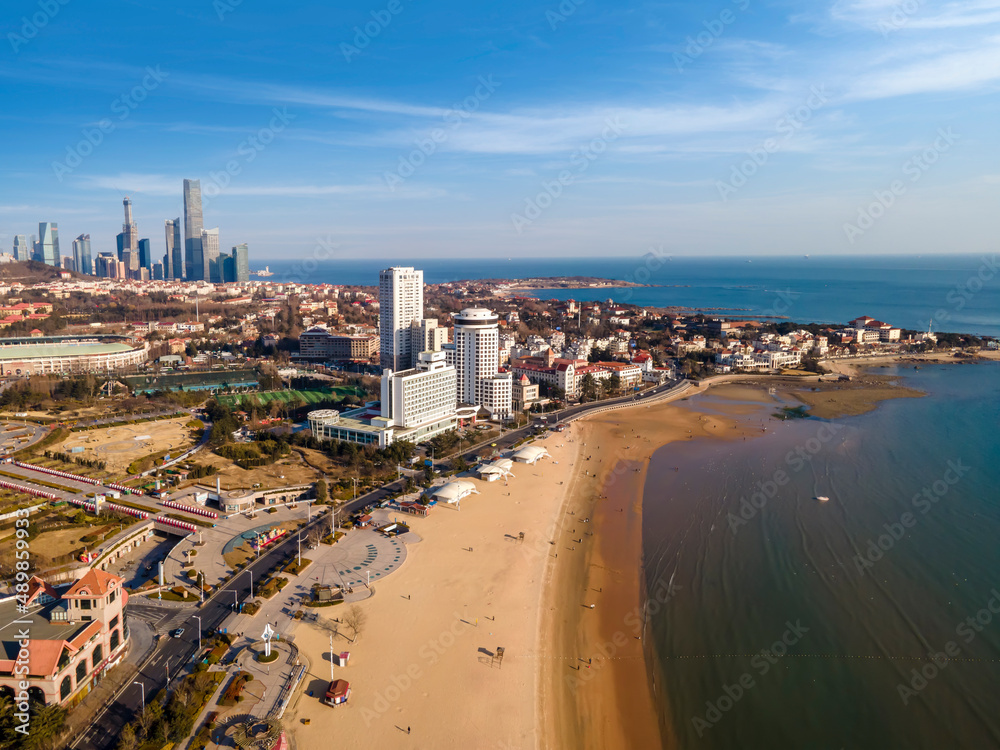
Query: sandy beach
423,671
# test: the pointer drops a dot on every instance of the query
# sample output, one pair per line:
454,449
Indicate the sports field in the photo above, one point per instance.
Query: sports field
309,397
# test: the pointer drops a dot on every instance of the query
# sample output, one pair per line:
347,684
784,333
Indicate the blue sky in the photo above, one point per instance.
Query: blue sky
399,128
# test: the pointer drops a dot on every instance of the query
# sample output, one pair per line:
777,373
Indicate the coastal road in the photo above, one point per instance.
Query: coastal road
172,656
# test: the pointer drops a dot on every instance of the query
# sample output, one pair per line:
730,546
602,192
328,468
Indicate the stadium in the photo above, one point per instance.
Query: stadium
41,355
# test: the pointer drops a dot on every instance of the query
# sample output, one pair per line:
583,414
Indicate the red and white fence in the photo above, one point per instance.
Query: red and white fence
29,490
91,505
176,524
54,473
189,508
119,487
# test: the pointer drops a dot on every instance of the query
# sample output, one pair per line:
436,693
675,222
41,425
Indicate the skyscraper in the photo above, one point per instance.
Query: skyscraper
81,255
212,268
47,247
22,250
146,256
173,262
401,303
241,263
193,259
477,362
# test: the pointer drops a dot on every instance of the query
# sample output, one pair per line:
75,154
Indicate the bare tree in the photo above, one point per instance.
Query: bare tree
355,619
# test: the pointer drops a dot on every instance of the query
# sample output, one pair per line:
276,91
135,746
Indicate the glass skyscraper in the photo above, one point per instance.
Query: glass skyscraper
47,249
212,269
173,262
194,259
146,256
22,250
82,260
241,263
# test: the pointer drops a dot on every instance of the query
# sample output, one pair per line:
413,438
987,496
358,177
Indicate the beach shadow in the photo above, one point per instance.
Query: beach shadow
511,537
486,651
317,687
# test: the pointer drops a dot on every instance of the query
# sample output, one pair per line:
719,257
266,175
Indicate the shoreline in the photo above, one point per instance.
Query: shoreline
608,661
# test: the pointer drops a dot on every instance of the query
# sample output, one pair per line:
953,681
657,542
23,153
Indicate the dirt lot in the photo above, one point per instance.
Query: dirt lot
120,446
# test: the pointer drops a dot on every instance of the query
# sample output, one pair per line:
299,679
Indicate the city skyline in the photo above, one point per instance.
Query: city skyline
742,128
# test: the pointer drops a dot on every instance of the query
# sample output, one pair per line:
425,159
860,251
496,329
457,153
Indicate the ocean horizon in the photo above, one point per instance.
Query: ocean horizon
948,293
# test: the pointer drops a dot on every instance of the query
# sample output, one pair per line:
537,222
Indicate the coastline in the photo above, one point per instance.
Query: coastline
605,658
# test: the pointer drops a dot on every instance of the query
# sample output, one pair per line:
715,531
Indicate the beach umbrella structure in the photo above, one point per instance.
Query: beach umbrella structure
453,492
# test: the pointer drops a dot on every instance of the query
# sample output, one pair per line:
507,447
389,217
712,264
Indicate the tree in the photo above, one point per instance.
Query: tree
588,388
355,619
127,739
321,491
614,384
46,724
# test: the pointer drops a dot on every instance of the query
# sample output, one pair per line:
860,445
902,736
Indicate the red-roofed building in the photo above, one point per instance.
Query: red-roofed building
75,636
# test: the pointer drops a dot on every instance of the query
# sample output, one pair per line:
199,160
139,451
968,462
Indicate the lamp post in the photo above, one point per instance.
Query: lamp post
355,480
299,541
143,689
251,584
199,631
166,668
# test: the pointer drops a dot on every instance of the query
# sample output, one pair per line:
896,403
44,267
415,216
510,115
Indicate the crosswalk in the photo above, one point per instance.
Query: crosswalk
162,618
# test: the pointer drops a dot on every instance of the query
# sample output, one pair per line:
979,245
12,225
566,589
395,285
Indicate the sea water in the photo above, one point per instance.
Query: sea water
796,623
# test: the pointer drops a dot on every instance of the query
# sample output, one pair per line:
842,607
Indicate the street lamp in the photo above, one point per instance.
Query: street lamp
143,689
166,668
251,584
299,541
199,631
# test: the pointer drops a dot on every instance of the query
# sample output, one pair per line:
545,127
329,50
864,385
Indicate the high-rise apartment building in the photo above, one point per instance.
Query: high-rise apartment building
428,336
47,247
81,255
212,268
173,261
475,353
241,263
22,250
194,261
401,304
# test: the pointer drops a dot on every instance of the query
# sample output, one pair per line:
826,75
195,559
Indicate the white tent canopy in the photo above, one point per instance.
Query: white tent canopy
453,492
499,468
530,454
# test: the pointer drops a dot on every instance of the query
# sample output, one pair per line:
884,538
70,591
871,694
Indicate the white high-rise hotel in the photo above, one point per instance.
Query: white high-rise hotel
475,354
401,304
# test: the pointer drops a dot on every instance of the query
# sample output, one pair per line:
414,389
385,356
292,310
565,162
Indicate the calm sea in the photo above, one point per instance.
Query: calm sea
814,625
959,292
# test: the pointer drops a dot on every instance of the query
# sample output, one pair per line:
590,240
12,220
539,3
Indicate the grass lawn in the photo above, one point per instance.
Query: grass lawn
309,397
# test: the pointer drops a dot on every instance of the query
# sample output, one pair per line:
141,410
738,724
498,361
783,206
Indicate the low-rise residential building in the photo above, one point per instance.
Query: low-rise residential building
321,344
